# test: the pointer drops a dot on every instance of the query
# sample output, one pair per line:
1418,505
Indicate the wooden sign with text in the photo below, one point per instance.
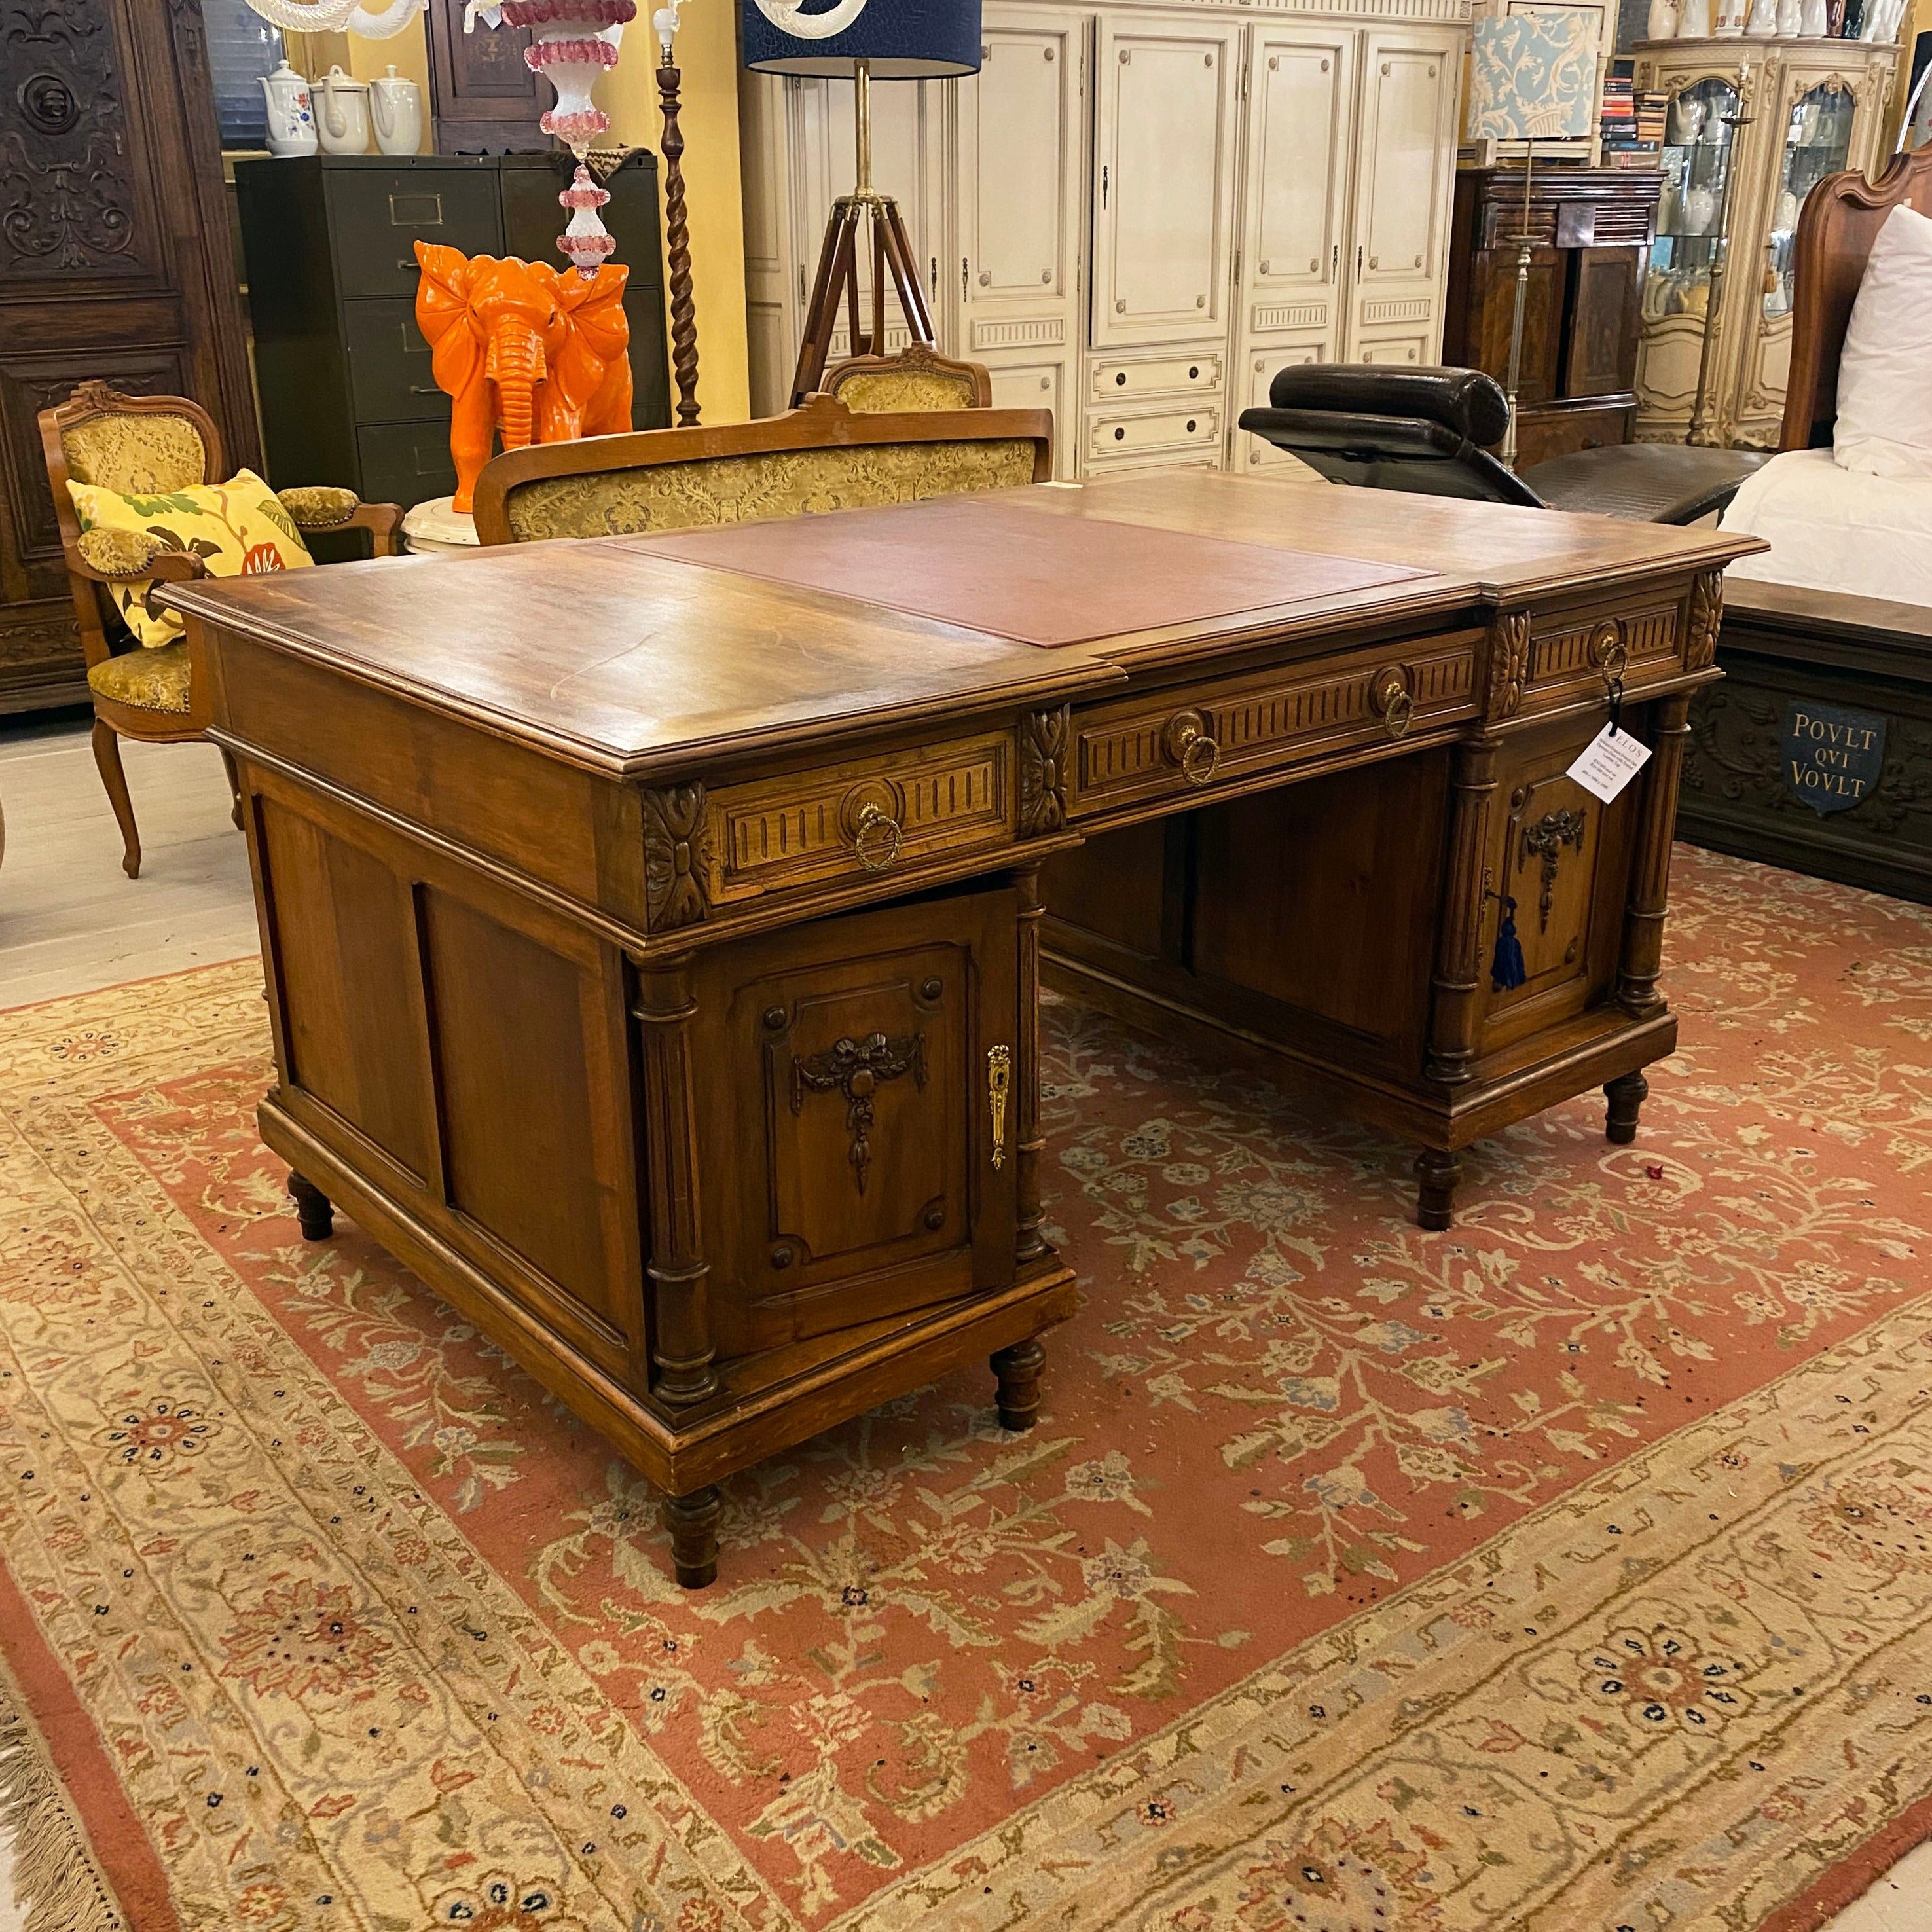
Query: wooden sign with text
1832,757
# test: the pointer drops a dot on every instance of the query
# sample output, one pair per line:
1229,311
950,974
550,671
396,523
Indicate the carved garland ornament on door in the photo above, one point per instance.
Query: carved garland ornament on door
1546,840
855,1068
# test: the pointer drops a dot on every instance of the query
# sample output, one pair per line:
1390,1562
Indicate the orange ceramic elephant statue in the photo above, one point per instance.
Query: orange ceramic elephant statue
518,347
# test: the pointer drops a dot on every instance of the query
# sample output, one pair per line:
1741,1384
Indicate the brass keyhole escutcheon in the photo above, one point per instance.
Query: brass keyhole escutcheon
1389,699
1186,743
999,1084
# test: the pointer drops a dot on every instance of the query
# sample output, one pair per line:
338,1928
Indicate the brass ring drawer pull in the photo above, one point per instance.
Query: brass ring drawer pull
1186,741
1607,652
875,839
1389,699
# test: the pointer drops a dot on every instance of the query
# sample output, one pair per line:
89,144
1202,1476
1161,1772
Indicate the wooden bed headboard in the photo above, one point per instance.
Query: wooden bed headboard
1842,217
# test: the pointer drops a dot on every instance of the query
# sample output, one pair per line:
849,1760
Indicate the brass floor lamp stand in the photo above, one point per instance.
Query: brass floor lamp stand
1526,246
838,277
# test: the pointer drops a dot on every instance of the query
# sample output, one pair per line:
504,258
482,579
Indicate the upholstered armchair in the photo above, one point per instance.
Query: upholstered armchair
916,378
150,446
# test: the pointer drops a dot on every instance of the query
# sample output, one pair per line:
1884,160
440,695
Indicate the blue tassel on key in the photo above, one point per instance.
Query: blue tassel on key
1506,969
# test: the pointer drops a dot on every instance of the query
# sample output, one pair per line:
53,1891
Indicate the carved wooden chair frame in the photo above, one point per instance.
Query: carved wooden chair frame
915,359
820,422
113,720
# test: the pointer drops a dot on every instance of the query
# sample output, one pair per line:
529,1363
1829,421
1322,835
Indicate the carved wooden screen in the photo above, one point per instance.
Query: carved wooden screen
115,262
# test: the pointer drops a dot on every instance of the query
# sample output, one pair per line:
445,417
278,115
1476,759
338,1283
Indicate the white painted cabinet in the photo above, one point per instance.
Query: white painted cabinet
1134,214
1751,130
1022,136
1402,195
1167,93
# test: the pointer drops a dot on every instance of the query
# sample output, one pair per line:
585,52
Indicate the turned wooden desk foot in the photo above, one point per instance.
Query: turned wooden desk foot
1437,1174
1017,1368
1626,1095
692,1521
312,1209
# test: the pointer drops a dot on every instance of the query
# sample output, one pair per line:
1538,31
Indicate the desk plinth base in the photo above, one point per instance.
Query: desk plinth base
1605,1048
766,1402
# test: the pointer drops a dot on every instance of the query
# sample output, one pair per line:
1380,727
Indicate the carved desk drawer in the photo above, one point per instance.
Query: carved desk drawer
882,814
1201,736
1572,654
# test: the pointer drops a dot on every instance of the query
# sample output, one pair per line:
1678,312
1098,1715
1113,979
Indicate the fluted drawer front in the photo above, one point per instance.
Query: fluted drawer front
1201,738
883,815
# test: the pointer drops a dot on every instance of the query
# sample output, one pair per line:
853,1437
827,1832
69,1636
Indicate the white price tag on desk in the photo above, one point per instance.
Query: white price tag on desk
1608,763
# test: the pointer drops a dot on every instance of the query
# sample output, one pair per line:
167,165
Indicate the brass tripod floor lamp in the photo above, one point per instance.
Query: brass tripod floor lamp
863,41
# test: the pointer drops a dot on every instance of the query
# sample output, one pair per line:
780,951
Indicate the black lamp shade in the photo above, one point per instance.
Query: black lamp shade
899,40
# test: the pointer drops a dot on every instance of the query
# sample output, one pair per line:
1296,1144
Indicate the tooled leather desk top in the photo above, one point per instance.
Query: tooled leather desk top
991,565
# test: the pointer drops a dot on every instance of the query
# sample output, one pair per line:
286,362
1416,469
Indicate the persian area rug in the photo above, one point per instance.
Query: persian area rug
1570,1569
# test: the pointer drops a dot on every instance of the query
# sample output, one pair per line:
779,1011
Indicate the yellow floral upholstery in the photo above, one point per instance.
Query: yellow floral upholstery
149,680
760,485
138,455
237,529
870,392
116,552
319,506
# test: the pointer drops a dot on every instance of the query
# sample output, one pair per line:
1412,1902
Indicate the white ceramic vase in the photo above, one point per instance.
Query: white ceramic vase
1790,19
1662,24
1693,20
1815,22
1762,23
1687,121
291,114
395,104
342,113
1700,210
1730,24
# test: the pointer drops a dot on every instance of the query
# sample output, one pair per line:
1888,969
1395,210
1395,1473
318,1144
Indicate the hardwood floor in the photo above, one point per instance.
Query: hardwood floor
71,920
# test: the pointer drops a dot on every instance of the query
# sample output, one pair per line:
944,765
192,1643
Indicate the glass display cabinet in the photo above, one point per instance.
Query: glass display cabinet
1751,128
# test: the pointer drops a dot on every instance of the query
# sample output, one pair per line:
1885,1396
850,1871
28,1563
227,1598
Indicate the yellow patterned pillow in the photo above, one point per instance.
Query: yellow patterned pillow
236,528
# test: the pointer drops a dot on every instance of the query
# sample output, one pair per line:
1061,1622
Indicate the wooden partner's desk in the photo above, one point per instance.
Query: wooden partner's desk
654,948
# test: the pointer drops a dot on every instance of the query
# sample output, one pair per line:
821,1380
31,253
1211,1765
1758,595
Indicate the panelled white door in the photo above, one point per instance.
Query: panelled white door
1022,144
1167,105
1407,120
1296,165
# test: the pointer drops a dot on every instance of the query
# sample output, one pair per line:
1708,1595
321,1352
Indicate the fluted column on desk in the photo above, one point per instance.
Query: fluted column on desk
1650,863
681,1346
1458,978
1030,1243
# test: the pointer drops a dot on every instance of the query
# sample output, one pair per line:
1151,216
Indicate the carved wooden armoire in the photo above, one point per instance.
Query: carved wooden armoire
115,262
1134,215
1592,229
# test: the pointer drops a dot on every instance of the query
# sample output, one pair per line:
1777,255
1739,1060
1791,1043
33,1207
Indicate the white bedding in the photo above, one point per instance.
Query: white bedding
1837,529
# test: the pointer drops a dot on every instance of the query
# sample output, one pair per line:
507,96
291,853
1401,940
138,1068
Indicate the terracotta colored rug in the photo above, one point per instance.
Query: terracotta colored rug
1572,1570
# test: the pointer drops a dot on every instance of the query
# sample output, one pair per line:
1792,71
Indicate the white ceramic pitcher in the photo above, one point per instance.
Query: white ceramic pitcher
342,113
291,118
396,105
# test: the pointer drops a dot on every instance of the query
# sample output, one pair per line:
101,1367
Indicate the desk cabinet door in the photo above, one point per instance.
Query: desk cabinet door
859,1117
1564,857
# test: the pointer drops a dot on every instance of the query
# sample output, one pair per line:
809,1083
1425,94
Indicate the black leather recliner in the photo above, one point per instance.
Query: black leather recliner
1428,431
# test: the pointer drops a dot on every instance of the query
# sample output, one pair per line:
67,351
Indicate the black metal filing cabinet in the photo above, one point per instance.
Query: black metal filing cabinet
343,371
